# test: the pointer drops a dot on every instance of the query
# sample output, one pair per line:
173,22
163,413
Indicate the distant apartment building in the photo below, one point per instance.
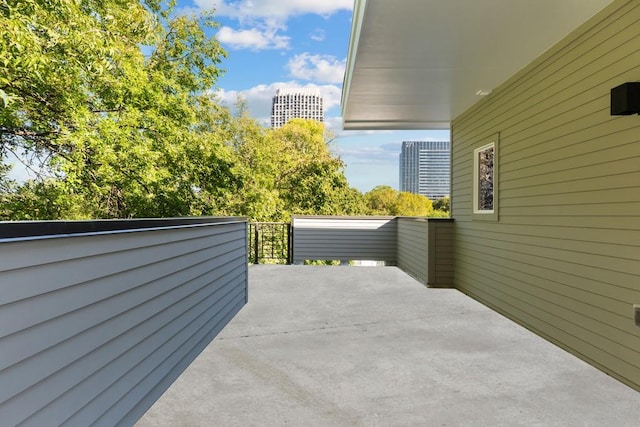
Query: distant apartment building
302,103
425,168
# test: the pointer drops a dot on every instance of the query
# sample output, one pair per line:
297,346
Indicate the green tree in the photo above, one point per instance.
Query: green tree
122,134
410,204
311,179
41,199
111,99
63,60
257,166
384,200
443,204
290,170
381,200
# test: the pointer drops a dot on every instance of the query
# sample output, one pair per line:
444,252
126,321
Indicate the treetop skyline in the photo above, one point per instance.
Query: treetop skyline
274,44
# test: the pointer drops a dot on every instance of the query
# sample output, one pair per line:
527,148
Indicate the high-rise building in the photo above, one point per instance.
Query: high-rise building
425,168
302,103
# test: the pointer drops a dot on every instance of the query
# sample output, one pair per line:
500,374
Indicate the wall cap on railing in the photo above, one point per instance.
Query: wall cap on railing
425,218
361,217
24,229
343,217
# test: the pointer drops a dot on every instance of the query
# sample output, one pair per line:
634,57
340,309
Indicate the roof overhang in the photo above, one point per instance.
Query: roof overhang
417,64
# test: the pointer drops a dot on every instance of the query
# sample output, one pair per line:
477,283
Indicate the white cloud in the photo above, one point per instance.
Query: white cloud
187,11
321,68
259,99
334,124
370,154
280,10
262,20
318,35
254,39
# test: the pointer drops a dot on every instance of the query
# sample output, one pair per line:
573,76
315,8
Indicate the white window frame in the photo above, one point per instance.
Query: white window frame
485,214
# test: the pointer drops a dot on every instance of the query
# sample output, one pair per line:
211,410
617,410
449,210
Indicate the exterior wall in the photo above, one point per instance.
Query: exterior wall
563,257
430,263
344,238
95,326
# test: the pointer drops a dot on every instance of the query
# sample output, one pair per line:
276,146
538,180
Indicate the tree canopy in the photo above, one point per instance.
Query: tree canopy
110,106
384,200
108,129
287,171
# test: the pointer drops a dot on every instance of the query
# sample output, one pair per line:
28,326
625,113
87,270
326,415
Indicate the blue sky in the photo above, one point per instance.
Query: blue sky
301,43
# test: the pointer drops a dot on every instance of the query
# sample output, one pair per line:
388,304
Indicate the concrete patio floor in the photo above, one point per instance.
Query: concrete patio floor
357,346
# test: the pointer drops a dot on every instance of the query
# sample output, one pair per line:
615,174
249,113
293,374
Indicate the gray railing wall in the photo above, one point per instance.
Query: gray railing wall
413,247
97,319
344,238
425,250
422,247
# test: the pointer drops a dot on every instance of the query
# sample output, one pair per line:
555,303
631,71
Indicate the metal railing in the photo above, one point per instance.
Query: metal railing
269,243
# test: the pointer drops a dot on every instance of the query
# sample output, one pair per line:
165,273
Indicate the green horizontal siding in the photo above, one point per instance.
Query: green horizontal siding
425,250
564,257
413,248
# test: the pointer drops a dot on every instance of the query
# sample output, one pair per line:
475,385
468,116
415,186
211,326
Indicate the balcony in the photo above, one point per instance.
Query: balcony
325,346
98,318
422,247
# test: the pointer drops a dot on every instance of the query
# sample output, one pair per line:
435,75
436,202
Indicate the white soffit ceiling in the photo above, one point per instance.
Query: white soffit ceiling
417,64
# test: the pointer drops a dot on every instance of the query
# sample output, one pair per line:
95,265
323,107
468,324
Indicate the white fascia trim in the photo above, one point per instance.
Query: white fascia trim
359,8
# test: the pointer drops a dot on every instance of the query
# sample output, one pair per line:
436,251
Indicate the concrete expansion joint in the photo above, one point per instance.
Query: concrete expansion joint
301,331
328,327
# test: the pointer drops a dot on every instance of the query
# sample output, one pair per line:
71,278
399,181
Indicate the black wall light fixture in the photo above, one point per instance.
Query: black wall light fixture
625,99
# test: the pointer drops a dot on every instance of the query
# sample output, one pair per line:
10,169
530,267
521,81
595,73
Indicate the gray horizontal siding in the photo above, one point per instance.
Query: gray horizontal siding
94,327
344,238
564,257
421,247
